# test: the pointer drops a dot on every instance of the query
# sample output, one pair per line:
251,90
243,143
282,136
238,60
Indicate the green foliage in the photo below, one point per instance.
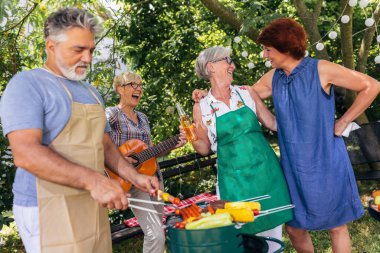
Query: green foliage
7,171
10,241
161,41
5,219
162,46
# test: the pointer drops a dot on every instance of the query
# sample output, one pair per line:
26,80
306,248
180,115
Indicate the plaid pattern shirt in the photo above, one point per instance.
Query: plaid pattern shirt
124,129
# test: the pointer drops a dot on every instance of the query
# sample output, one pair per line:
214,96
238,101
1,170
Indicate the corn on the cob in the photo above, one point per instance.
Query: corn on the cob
238,215
238,205
212,221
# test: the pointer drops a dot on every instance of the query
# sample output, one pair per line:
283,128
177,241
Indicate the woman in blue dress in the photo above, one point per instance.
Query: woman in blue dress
313,155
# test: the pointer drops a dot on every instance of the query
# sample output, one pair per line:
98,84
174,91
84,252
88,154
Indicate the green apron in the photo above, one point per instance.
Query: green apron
248,167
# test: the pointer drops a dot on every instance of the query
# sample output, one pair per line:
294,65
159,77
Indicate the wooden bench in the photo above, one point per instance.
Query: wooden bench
363,146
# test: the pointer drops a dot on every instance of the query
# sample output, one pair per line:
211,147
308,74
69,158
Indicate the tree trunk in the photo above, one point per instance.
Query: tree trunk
310,21
348,62
367,41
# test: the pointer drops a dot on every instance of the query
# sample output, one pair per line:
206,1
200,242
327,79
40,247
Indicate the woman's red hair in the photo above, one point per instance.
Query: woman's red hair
285,35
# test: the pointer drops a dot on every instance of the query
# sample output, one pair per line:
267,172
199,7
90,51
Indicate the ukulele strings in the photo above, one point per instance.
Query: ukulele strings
156,150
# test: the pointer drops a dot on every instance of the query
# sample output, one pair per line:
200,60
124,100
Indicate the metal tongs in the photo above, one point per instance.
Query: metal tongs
144,201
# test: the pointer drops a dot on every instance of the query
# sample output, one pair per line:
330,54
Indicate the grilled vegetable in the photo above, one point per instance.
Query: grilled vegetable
375,194
168,198
239,205
212,221
210,209
238,215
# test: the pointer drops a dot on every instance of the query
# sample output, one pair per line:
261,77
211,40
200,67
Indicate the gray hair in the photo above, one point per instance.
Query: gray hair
208,55
60,21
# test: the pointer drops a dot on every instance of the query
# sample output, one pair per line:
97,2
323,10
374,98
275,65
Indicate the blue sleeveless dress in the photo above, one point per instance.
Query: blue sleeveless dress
315,162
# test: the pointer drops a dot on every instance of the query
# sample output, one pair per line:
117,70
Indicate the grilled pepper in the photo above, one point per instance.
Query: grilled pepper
238,215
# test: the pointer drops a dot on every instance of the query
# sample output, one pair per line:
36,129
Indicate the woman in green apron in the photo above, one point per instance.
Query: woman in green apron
226,121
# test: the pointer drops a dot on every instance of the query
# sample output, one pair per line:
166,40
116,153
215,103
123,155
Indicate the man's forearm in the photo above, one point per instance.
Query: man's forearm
46,164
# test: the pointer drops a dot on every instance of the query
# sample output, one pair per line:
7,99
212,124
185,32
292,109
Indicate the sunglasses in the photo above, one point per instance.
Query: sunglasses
133,85
227,59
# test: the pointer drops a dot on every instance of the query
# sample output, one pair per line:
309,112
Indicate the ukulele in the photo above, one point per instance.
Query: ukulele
145,157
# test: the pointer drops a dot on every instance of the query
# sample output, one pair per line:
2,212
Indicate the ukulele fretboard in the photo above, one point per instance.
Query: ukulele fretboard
160,148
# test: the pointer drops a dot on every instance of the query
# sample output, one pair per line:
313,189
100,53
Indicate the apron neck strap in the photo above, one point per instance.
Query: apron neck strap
231,92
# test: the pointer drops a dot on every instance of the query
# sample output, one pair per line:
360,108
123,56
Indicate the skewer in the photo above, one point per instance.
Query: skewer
144,209
256,198
146,201
274,210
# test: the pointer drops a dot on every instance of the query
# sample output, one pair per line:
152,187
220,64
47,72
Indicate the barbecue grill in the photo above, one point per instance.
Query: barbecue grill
225,239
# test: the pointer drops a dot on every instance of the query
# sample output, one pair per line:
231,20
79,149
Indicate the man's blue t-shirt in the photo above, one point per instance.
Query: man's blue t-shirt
37,99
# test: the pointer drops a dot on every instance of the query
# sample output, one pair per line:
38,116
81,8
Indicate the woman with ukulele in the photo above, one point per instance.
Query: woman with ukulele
127,125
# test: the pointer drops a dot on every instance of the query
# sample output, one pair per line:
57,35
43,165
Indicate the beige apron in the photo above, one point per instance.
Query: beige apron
70,220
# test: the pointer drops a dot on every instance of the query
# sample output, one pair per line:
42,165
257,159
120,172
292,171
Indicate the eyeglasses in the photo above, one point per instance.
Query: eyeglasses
133,85
227,59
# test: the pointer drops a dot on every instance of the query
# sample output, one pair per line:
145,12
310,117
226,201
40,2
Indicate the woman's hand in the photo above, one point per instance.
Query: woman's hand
197,95
339,126
202,144
128,158
182,137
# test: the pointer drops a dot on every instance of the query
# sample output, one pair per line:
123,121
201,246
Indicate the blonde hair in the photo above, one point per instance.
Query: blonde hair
126,77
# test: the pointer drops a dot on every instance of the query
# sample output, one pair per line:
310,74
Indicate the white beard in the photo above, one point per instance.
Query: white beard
69,72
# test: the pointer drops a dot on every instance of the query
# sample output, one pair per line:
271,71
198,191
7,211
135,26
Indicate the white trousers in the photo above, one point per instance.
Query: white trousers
150,223
28,227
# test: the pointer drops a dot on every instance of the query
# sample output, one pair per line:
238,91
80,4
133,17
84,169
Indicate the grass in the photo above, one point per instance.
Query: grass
365,237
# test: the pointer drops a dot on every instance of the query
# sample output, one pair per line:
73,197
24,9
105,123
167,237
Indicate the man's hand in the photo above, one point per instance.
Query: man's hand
197,95
107,192
147,184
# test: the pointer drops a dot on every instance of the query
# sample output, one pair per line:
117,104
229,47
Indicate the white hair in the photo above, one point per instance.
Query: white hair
208,55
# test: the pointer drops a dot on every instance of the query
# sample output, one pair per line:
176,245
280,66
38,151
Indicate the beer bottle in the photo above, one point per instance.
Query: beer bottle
186,124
